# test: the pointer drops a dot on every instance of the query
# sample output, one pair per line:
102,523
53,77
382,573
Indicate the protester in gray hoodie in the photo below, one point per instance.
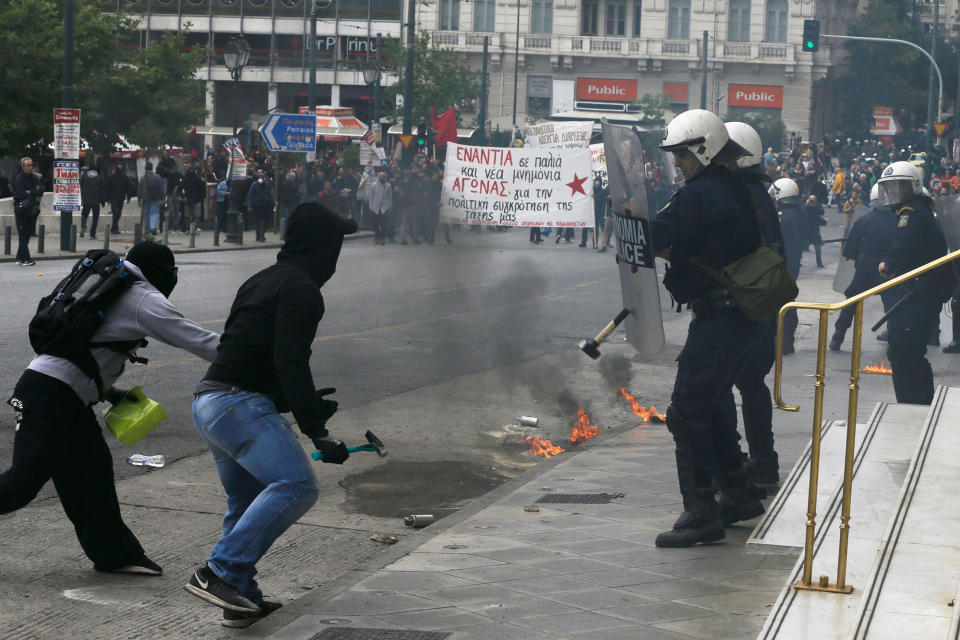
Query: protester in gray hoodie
57,434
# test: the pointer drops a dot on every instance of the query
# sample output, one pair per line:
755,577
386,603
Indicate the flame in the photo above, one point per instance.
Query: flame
545,448
583,430
644,413
881,368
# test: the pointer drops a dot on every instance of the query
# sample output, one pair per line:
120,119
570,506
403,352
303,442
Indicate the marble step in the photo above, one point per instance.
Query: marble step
880,467
917,571
781,529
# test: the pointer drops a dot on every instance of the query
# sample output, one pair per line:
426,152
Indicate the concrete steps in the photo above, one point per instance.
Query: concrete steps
881,464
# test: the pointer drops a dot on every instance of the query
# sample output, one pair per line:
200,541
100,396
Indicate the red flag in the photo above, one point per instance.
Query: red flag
445,125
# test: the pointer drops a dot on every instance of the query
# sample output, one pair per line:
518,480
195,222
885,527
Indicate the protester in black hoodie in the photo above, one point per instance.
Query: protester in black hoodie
261,370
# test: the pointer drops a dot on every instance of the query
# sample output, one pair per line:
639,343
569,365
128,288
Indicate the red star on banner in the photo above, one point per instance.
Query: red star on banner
577,185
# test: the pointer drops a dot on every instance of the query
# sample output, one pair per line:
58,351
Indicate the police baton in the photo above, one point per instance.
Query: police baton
897,305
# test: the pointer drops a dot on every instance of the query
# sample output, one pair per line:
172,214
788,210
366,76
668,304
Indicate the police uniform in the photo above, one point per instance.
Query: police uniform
793,222
709,220
918,240
869,241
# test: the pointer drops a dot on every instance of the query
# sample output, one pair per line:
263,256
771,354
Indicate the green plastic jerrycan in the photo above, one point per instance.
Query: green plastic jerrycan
130,420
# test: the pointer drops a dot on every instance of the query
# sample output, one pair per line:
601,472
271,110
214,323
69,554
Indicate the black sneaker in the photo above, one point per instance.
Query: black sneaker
237,620
206,585
142,567
26,263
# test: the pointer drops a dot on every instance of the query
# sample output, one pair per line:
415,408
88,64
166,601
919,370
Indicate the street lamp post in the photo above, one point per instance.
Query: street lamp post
235,57
371,76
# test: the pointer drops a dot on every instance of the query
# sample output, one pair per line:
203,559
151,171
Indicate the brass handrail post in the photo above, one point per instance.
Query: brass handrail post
815,450
850,446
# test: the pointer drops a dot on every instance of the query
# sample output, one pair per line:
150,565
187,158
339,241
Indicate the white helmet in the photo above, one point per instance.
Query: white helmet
748,138
699,131
875,193
901,181
785,191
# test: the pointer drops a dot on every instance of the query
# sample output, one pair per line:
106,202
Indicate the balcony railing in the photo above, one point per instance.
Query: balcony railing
607,45
678,47
538,42
466,39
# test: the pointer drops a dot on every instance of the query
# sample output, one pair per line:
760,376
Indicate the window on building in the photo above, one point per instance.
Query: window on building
449,15
483,15
616,18
637,12
738,29
776,28
590,17
541,18
678,20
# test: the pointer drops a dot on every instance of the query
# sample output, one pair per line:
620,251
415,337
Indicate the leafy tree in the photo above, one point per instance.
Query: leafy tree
653,107
769,126
147,98
440,79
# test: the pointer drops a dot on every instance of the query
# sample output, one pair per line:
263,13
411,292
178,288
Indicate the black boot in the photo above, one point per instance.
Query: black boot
739,499
954,346
837,340
699,523
764,471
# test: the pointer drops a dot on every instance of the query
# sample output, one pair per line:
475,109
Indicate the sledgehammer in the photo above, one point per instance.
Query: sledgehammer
592,347
374,444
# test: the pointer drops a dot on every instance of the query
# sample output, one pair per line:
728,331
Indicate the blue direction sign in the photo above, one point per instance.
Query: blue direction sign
290,132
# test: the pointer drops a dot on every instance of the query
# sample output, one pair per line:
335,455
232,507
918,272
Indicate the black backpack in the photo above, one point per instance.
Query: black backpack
67,319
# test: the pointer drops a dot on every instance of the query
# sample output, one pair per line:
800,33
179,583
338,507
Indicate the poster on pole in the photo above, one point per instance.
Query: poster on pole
559,135
66,185
517,187
238,164
66,134
598,156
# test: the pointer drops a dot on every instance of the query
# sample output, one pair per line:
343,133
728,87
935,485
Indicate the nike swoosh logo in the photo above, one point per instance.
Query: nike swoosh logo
203,583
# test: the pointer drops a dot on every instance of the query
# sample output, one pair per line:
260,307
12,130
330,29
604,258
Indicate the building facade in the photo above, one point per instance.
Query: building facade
579,56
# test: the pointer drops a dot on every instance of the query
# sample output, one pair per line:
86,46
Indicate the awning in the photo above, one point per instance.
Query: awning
343,127
204,130
462,134
615,117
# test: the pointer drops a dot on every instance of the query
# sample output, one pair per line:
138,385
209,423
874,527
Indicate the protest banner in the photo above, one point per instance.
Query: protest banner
599,157
517,187
66,134
559,135
66,185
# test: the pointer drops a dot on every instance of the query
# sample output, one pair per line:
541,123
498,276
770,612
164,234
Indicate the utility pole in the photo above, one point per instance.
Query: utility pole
312,87
483,93
376,87
408,74
928,165
66,101
516,66
703,68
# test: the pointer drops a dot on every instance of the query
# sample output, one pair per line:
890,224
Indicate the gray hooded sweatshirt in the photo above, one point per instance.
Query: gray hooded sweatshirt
141,312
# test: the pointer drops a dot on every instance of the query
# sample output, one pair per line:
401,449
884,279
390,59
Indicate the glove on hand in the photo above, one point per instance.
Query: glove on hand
333,450
326,408
116,396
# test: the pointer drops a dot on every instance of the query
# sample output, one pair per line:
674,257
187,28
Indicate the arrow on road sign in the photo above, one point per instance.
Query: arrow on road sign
290,132
406,139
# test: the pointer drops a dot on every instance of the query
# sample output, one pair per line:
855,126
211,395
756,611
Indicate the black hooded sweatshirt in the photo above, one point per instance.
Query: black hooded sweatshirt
265,345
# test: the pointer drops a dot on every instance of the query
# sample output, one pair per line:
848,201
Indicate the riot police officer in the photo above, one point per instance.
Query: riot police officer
757,406
708,222
870,238
793,223
918,241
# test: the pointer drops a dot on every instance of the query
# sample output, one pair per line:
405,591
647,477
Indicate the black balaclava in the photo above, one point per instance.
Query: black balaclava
157,264
313,239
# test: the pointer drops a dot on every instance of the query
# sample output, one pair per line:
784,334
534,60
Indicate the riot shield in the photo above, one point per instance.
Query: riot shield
846,268
948,215
639,285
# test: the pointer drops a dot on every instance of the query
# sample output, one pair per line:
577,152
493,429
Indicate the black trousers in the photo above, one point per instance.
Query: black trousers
84,211
26,227
757,405
381,223
116,208
262,216
865,277
535,234
909,331
58,438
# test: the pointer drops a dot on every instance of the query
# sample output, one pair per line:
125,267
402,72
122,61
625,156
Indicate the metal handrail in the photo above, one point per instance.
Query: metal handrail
823,583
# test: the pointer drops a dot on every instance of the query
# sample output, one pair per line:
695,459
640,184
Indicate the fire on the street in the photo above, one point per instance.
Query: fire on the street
646,414
879,369
545,448
582,429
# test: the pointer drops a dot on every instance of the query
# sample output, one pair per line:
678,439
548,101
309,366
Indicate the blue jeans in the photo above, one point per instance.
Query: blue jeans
152,216
266,474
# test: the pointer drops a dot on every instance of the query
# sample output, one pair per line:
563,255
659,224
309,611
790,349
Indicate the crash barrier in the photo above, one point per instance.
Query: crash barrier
823,583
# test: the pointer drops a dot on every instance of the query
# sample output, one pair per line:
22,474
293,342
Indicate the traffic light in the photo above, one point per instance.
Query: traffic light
421,135
811,35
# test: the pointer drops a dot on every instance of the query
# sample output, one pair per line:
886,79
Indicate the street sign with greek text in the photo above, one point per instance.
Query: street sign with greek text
290,132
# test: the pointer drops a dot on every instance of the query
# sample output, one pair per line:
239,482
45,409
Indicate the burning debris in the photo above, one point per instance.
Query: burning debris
582,429
646,414
540,447
878,369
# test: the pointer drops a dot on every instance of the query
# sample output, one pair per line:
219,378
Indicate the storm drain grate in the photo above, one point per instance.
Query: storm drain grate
341,633
579,498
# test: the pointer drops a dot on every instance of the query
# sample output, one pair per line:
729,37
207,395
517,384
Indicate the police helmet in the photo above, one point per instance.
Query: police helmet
785,191
901,181
700,132
875,193
748,138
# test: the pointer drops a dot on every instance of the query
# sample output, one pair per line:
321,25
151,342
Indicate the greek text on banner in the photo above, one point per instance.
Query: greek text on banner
517,187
